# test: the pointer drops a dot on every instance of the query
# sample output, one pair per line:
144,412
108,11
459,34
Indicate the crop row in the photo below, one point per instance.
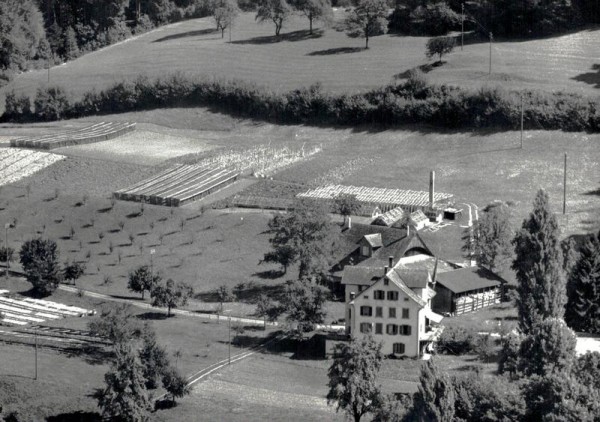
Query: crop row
15,164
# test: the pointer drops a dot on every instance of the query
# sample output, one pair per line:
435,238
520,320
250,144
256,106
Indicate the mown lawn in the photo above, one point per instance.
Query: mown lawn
339,63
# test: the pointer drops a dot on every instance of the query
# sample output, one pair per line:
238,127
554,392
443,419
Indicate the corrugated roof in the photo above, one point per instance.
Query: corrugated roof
395,197
467,279
374,240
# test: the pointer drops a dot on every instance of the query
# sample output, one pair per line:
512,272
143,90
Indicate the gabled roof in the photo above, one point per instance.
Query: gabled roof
389,218
361,275
374,240
415,279
419,217
396,281
467,279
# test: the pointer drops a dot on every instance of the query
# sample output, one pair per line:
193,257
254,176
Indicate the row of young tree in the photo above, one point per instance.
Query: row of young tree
540,378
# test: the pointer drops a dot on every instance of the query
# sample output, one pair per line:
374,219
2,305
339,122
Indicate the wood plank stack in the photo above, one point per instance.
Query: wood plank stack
97,132
179,185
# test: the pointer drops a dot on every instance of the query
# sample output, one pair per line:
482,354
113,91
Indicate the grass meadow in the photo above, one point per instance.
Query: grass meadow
339,63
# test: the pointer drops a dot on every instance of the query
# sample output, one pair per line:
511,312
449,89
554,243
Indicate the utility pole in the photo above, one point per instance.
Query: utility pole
565,186
462,28
152,251
6,226
491,38
230,25
36,356
229,343
522,121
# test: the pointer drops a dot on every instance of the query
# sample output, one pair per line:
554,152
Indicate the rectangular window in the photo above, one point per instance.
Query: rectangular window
366,311
379,295
379,328
392,295
361,288
405,330
365,327
392,312
391,329
405,313
399,348
386,282
379,312
406,299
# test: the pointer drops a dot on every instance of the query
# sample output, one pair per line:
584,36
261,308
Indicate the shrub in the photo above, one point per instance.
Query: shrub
51,104
457,341
439,46
17,108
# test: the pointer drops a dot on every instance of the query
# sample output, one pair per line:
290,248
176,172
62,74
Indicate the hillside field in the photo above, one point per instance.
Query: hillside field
339,63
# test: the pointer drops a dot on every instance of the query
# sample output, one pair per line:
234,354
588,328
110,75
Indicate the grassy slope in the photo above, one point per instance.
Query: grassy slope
338,62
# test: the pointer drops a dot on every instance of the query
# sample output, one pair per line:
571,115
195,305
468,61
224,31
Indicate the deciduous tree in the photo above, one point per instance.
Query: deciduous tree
171,295
116,323
353,374
276,11
346,205
583,289
367,19
539,267
39,259
439,46
303,304
73,271
224,13
492,236
309,235
314,10
142,280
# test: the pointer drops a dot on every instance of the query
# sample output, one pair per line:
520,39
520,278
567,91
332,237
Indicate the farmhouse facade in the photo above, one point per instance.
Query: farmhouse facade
395,314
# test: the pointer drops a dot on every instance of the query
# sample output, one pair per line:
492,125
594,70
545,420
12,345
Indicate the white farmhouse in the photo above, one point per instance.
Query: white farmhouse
396,311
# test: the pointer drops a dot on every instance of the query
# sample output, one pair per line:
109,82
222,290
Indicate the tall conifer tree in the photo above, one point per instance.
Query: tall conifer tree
583,308
539,266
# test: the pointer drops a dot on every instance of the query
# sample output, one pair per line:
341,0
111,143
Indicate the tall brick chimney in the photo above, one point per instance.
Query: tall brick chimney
431,187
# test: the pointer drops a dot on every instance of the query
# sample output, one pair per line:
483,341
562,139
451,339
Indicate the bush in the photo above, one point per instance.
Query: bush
51,104
457,341
17,107
413,101
435,19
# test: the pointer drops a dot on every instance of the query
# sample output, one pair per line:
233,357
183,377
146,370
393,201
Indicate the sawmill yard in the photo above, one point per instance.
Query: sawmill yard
68,197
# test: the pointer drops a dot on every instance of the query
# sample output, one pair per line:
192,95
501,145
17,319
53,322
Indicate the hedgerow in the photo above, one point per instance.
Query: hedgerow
410,101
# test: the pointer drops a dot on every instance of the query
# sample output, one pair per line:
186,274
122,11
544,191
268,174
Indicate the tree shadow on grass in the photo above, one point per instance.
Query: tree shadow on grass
590,78
152,316
291,36
187,34
78,416
336,51
269,274
92,354
595,192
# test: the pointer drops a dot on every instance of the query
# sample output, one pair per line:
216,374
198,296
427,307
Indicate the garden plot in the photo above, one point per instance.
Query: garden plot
141,146
34,311
15,164
94,133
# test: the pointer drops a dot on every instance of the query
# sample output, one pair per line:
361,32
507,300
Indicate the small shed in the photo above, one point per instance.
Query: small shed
389,218
466,290
418,219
